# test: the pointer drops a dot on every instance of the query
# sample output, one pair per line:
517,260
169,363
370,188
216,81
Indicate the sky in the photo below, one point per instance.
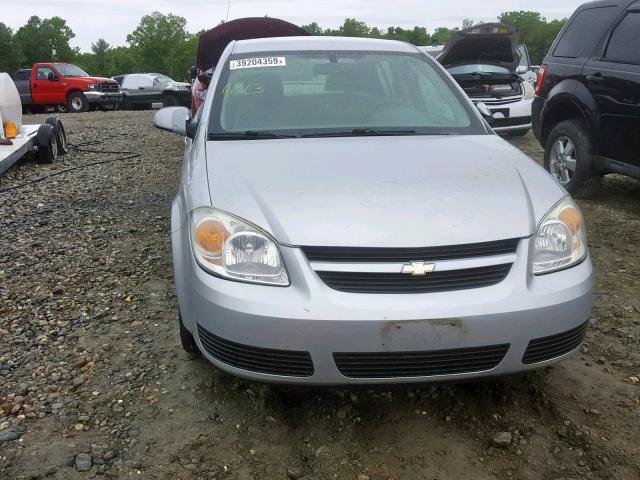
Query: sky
114,19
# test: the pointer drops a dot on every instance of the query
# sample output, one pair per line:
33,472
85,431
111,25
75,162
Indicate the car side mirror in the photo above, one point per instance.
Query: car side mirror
193,72
486,113
175,120
52,77
521,69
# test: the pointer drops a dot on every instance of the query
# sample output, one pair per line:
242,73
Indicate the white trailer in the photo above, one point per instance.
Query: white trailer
48,139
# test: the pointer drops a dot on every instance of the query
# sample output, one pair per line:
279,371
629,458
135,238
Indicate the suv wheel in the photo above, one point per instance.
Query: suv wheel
568,153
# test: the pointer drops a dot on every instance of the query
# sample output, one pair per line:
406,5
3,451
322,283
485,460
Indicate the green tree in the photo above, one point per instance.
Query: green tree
442,35
100,51
313,29
158,40
535,31
10,55
121,60
45,40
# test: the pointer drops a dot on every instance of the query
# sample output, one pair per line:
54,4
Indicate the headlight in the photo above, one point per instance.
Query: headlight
232,248
561,240
92,86
529,90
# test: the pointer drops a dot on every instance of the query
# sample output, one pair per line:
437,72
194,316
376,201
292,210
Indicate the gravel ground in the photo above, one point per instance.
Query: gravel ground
93,381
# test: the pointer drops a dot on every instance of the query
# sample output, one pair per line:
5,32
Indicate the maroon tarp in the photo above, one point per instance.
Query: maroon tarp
213,42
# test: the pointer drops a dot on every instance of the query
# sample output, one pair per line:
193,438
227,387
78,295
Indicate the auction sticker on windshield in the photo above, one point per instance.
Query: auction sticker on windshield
258,62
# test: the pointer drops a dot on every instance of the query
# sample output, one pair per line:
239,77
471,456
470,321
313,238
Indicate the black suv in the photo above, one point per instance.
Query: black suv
586,113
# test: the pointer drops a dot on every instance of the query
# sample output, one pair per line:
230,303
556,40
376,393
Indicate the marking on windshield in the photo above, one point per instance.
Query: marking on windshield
246,90
257,62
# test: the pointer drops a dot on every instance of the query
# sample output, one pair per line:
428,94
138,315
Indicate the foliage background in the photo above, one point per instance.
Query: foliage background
161,43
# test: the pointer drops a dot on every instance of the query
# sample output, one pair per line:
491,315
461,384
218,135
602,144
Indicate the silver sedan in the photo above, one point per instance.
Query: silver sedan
346,215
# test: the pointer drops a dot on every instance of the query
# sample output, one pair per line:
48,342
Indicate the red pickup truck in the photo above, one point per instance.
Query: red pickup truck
66,87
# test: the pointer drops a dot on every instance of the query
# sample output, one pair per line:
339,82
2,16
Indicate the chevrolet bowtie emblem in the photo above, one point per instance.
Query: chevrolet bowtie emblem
418,269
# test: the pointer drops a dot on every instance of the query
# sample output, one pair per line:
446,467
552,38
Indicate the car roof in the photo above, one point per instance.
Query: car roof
320,43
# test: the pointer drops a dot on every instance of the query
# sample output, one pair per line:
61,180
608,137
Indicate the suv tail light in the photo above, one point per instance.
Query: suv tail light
541,74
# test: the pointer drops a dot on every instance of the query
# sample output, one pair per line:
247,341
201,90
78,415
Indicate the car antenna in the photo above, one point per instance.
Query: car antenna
228,8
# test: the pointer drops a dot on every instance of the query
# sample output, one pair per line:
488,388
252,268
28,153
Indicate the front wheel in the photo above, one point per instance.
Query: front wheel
568,154
77,103
169,100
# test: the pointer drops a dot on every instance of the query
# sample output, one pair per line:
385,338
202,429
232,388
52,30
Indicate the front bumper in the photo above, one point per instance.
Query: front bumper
103,97
511,117
310,317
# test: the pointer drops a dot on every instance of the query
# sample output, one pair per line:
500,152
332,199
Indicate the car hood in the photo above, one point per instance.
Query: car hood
493,43
90,80
381,191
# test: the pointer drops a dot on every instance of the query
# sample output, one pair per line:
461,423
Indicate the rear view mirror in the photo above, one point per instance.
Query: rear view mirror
172,119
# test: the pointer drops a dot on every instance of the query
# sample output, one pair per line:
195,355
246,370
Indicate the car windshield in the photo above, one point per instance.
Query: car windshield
336,93
476,68
160,78
67,70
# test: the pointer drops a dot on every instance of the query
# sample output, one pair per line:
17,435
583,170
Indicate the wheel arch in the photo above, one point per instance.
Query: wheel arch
569,100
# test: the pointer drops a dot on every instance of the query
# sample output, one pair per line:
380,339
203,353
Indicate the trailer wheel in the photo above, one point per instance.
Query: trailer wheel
77,102
47,143
61,135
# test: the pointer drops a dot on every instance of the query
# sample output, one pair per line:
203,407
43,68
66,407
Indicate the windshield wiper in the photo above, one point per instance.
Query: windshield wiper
362,132
248,135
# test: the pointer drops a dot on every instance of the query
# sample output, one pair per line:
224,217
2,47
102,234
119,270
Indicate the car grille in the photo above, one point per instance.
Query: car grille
287,363
546,348
108,87
419,364
374,282
490,102
377,255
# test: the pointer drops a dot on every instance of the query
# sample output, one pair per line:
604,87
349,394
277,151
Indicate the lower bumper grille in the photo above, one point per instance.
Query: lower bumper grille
419,364
287,363
373,282
511,121
546,348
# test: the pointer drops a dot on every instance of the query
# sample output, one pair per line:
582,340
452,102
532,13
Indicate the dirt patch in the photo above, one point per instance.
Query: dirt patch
92,375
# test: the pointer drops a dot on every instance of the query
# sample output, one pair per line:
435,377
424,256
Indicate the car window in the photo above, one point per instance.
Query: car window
307,93
584,32
43,73
23,75
624,41
524,62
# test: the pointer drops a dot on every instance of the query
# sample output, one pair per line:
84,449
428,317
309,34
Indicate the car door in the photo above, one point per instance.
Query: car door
613,77
45,91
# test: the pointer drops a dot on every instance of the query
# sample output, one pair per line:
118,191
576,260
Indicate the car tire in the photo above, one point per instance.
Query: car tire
186,339
47,143
169,100
108,107
62,108
61,135
77,102
568,154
